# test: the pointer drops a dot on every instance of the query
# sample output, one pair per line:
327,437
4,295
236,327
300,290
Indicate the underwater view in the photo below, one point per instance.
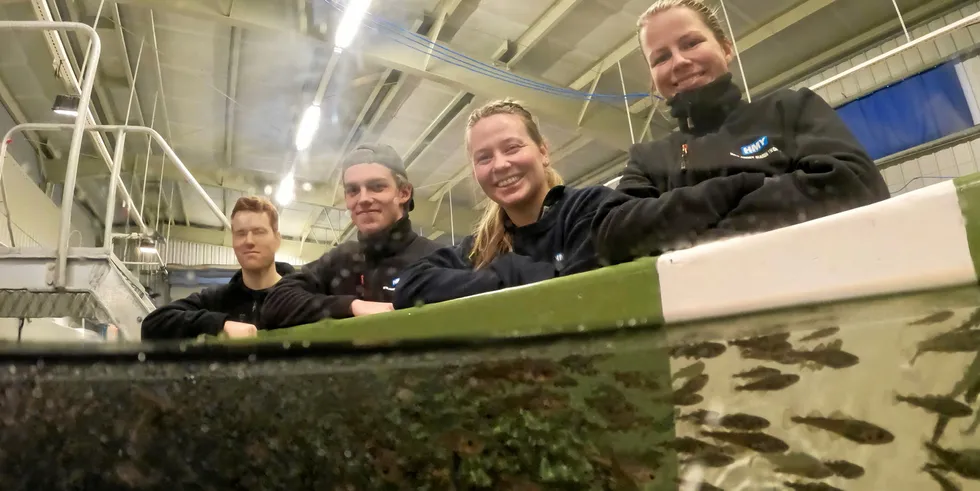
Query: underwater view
879,394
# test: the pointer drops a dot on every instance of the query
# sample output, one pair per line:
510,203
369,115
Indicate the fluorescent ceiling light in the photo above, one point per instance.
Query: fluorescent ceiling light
350,23
65,105
147,246
287,190
307,127
268,190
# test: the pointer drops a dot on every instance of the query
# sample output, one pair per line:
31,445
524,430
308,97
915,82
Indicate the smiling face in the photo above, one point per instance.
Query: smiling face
683,53
373,197
254,240
508,164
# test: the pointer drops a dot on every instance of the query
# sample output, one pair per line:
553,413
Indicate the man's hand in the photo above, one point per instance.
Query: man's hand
362,307
240,330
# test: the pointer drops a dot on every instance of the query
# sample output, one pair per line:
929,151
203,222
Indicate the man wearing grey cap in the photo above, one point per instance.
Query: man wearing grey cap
356,278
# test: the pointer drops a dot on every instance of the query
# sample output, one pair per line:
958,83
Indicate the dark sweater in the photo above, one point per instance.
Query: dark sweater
206,312
558,244
364,270
735,167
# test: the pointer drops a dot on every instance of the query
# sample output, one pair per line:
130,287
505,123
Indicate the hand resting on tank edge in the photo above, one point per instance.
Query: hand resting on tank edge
239,330
363,307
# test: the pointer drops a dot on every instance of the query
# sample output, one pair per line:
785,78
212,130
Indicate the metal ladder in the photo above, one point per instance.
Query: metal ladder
81,282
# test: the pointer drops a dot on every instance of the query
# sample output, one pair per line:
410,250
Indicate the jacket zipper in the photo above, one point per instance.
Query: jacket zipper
255,307
683,156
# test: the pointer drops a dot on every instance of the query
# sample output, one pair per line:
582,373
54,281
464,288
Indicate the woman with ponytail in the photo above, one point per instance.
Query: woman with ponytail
533,229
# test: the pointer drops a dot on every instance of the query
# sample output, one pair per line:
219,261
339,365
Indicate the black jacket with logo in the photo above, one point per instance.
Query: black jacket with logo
733,168
364,270
558,244
207,311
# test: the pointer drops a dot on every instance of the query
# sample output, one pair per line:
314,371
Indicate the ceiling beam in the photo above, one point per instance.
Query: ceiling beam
512,53
251,182
443,11
231,102
605,123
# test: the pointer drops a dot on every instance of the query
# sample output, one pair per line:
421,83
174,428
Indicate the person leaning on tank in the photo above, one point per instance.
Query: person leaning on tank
534,228
357,278
732,167
233,308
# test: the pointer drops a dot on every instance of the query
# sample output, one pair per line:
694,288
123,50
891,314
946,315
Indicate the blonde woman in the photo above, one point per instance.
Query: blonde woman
732,167
534,228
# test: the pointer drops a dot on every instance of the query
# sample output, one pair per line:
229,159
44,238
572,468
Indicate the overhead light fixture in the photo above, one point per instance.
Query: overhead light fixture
65,105
286,190
147,246
307,187
267,190
350,23
307,127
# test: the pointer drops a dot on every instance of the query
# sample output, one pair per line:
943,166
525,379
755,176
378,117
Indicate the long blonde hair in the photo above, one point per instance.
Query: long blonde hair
490,237
707,14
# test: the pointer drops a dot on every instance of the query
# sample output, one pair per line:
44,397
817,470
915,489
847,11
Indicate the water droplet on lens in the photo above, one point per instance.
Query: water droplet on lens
213,367
241,374
252,358
306,344
204,428
141,357
12,369
182,347
285,345
40,363
632,322
581,328
347,454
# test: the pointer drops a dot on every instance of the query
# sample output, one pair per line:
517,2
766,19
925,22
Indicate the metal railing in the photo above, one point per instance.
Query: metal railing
72,171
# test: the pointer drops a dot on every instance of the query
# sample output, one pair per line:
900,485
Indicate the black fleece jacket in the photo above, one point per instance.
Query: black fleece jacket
558,244
364,270
735,167
207,311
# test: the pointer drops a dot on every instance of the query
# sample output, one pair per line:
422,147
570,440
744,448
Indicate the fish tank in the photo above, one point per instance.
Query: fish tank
685,372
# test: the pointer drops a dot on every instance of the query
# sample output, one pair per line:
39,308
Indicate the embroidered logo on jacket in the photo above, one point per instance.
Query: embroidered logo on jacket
755,147
391,288
758,149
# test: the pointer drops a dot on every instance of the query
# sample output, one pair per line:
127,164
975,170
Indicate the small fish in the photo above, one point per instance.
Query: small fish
744,422
690,445
972,392
945,484
694,384
963,462
937,431
692,370
711,459
685,399
759,371
845,469
783,357
936,318
941,405
950,342
800,464
769,342
760,442
811,486
854,430
771,383
830,357
821,333
699,350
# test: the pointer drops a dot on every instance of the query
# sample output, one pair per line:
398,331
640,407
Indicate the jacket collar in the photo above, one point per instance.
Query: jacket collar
554,196
389,241
704,109
238,282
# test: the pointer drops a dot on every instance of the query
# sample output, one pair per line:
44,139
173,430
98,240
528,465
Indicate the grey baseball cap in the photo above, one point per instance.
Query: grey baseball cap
369,153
